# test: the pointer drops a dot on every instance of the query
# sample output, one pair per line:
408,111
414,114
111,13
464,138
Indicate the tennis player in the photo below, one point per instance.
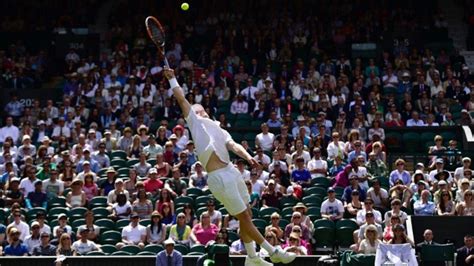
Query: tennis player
212,146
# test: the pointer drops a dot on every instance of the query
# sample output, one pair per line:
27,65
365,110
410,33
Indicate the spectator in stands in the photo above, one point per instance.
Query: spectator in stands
156,230
297,220
262,158
216,216
76,197
119,188
427,240
274,226
40,218
204,231
353,206
65,246
378,194
300,152
133,234
399,236
400,174
466,206
424,206
169,256
93,230
368,206
84,245
20,226
15,247
300,175
459,172
265,139
62,226
332,208
446,206
54,187
336,147
317,166
271,197
90,188
33,239
239,106
181,231
198,177
142,167
465,254
152,183
121,209
395,211
37,198
44,248
371,240
295,245
353,185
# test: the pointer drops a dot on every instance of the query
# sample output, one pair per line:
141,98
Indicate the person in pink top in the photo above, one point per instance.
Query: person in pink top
204,231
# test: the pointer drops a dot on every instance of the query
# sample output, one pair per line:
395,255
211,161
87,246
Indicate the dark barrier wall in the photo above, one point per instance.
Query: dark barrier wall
452,228
129,261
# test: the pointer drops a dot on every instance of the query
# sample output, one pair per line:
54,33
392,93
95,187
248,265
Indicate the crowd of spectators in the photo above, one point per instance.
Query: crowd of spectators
118,133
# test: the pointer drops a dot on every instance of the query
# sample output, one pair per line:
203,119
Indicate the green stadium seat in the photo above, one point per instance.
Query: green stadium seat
287,213
57,202
145,222
151,161
198,248
95,253
232,236
447,136
100,201
283,223
255,213
153,248
320,182
31,214
118,163
202,200
110,237
393,140
78,222
123,171
100,212
105,223
180,201
146,253
265,213
132,249
77,213
121,253
118,154
344,232
241,123
130,163
314,213
55,212
108,249
324,234
427,137
287,201
318,191
312,200
120,224
182,249
250,136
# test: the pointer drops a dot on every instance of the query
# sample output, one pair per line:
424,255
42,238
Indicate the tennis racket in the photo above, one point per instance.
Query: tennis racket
157,35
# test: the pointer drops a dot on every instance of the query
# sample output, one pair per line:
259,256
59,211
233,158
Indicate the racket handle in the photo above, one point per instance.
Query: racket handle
165,60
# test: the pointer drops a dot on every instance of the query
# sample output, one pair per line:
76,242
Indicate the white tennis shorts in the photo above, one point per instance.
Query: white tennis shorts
228,187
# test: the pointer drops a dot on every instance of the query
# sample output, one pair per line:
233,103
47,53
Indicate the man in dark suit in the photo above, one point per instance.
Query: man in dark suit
466,254
428,240
169,256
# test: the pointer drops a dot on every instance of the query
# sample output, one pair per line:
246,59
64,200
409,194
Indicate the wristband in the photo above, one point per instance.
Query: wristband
173,83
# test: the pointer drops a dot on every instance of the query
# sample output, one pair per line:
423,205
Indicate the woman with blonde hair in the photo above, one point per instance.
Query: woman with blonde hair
370,242
161,138
274,226
466,207
135,148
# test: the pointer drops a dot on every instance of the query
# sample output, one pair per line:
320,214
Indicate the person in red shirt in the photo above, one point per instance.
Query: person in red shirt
153,184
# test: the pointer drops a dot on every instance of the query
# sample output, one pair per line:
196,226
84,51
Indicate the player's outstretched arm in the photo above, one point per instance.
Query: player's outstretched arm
177,91
241,152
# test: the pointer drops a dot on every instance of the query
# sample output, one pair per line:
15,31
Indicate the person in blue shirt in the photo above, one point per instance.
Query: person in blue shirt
16,248
301,175
423,206
37,198
353,186
169,256
356,152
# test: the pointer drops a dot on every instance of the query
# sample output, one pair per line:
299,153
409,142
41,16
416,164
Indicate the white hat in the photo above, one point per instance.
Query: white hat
169,241
45,138
300,118
153,171
41,122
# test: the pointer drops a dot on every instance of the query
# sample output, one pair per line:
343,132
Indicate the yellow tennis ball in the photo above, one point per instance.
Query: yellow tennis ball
184,6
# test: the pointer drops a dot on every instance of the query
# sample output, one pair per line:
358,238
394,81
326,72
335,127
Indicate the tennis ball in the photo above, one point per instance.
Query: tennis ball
184,6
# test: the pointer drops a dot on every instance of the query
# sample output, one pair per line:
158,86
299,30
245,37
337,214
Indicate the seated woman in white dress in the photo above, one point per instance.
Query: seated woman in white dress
371,241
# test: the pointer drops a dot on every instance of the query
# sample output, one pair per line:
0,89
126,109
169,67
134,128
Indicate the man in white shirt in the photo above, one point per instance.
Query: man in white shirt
332,208
368,207
21,226
276,161
317,166
27,185
439,168
61,130
9,130
249,91
134,233
415,120
33,239
336,147
53,186
83,245
245,174
301,122
265,139
257,184
459,172
262,158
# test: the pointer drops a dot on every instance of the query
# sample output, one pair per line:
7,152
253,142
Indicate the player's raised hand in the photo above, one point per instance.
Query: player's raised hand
168,72
254,163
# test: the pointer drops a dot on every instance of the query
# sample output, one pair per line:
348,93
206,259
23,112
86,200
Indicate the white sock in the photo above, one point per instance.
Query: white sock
250,248
268,247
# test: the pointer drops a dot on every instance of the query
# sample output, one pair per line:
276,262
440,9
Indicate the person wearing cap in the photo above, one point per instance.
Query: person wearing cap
459,172
142,167
133,234
109,140
76,197
100,156
86,168
271,196
169,256
400,173
295,246
198,177
152,148
33,239
61,130
62,226
26,149
37,198
44,248
300,175
153,184
212,149
119,188
109,184
300,122
332,208
424,206
15,247
84,245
